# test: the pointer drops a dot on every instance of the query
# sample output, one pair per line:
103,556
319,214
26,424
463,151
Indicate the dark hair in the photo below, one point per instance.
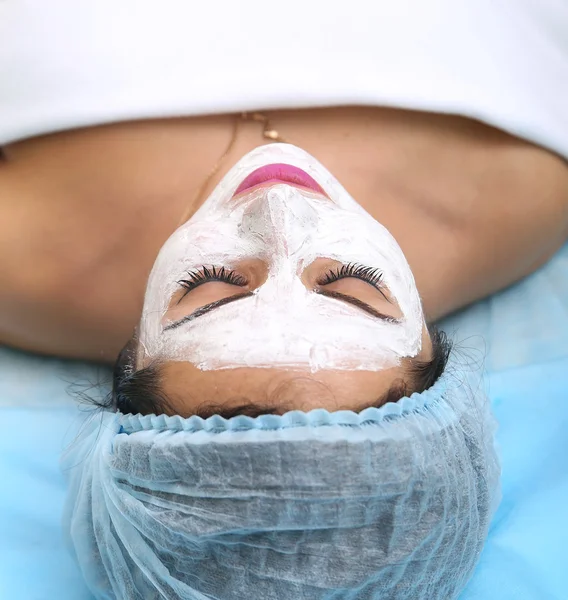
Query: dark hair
140,391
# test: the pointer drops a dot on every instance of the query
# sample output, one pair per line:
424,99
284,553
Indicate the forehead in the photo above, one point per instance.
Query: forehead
276,389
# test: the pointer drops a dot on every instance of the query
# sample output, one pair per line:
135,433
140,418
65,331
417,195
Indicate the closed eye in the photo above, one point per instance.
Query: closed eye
370,275
203,290
208,275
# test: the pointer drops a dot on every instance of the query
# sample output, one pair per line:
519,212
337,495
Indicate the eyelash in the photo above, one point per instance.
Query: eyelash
370,275
205,275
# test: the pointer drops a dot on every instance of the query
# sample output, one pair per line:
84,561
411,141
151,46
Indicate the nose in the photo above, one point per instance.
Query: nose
282,218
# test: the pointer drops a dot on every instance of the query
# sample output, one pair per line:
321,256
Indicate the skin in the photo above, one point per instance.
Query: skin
84,212
189,389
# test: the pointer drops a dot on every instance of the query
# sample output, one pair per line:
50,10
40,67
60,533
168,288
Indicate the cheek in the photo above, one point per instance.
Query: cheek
216,235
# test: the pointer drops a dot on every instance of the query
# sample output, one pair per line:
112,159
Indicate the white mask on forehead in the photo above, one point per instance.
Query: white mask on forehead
282,324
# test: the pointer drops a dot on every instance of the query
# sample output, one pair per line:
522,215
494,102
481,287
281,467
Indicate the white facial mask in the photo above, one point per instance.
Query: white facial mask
283,324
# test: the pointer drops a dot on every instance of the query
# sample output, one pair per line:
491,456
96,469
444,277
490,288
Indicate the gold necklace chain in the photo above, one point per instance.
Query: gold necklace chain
268,133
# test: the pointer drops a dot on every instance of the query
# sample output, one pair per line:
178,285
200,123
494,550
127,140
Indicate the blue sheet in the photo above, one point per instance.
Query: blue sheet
523,333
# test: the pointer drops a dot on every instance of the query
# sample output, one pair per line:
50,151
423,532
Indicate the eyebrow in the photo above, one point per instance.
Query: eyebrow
359,304
328,293
206,309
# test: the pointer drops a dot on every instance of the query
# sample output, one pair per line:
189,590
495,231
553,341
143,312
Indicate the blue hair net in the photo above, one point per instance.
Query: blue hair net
393,502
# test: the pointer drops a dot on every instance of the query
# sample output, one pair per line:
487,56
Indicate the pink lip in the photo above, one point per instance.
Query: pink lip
279,173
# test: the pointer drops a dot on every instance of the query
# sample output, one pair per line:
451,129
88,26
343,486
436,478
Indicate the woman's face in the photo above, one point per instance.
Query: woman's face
281,281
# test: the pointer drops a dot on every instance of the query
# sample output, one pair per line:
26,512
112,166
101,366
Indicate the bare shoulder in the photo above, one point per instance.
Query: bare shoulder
490,214
84,213
83,216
